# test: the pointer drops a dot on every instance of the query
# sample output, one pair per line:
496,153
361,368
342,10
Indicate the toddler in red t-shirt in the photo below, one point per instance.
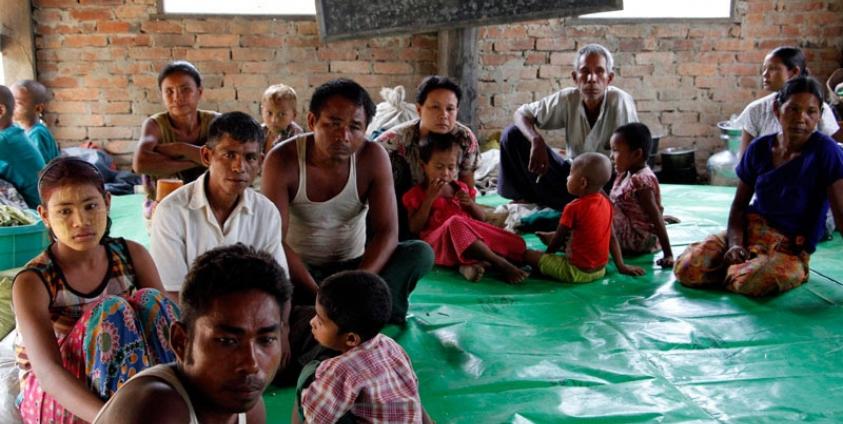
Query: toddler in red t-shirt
585,228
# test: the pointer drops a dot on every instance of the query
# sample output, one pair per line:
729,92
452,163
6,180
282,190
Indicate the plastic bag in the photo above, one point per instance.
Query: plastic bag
391,112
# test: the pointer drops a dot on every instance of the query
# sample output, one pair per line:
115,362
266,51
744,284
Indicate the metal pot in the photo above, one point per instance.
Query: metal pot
677,159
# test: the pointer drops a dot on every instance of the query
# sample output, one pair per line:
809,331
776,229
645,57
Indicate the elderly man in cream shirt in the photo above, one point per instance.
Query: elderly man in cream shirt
530,170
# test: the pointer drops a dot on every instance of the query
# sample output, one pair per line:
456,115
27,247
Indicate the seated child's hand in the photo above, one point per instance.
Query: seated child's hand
434,188
631,270
464,198
665,262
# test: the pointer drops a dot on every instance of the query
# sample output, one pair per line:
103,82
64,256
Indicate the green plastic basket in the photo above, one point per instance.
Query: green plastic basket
21,243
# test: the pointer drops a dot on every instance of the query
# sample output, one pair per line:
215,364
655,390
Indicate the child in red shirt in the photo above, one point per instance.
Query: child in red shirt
588,222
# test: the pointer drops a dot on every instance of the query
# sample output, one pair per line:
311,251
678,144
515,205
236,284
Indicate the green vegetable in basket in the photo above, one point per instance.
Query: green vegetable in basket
11,216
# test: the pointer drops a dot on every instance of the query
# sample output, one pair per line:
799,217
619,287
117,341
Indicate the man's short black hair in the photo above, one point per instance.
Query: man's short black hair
435,82
357,301
437,143
238,125
797,85
637,136
347,89
180,67
226,270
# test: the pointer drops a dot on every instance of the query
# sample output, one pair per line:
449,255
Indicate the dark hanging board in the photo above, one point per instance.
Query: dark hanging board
346,19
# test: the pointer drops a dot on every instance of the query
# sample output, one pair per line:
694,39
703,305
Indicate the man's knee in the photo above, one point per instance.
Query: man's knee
417,251
512,138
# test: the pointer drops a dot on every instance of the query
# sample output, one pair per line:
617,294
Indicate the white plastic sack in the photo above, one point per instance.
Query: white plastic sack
9,384
392,111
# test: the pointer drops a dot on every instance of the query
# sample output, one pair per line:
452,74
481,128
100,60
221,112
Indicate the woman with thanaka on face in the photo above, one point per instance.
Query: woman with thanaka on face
170,140
90,309
757,119
437,102
777,217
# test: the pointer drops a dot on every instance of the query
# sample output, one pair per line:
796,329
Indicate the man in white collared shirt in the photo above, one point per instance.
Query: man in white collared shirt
530,170
219,208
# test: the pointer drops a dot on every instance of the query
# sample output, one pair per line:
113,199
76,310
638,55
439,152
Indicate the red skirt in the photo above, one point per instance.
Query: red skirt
457,233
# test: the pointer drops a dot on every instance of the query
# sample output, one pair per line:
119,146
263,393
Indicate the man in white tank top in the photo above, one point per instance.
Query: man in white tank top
227,344
333,188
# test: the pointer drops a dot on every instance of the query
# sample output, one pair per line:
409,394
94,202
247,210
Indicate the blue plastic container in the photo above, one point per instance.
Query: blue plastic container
21,243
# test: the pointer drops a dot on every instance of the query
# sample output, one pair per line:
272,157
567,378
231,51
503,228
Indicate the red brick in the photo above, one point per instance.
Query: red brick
173,40
261,41
161,27
307,28
124,119
110,108
563,59
425,41
85,41
661,58
90,13
68,133
113,26
76,94
268,68
131,40
331,53
53,3
697,69
109,133
690,129
514,44
536,59
79,120
134,11
210,54
69,107
393,68
496,59
551,72
555,44
215,26
218,40
350,67
115,94
149,53
245,80
739,69
252,54
49,41
106,82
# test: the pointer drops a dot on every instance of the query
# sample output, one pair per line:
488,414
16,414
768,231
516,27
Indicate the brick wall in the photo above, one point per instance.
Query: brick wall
685,77
101,57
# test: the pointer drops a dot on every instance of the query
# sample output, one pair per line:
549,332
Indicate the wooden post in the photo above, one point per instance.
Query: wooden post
458,59
16,40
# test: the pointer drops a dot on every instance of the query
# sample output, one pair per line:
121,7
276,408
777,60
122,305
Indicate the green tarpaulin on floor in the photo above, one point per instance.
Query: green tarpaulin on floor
621,349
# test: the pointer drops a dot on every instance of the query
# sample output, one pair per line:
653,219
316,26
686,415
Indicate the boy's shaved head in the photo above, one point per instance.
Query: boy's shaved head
596,168
8,101
35,89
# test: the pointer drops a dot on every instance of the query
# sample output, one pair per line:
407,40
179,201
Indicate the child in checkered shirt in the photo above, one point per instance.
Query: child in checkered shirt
372,378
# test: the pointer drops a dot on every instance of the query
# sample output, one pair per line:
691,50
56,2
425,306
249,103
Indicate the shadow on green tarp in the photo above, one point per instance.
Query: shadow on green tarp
625,349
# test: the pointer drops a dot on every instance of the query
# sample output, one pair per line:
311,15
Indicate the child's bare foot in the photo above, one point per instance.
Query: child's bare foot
472,272
545,236
670,219
512,274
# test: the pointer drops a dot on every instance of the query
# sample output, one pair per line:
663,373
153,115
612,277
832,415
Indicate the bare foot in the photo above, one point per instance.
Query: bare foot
545,236
670,219
472,272
512,274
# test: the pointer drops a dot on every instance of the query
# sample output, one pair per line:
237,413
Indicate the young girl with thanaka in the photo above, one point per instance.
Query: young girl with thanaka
90,309
637,216
443,213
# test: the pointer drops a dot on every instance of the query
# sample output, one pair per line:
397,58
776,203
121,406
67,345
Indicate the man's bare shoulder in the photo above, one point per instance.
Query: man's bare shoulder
283,153
373,161
145,400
